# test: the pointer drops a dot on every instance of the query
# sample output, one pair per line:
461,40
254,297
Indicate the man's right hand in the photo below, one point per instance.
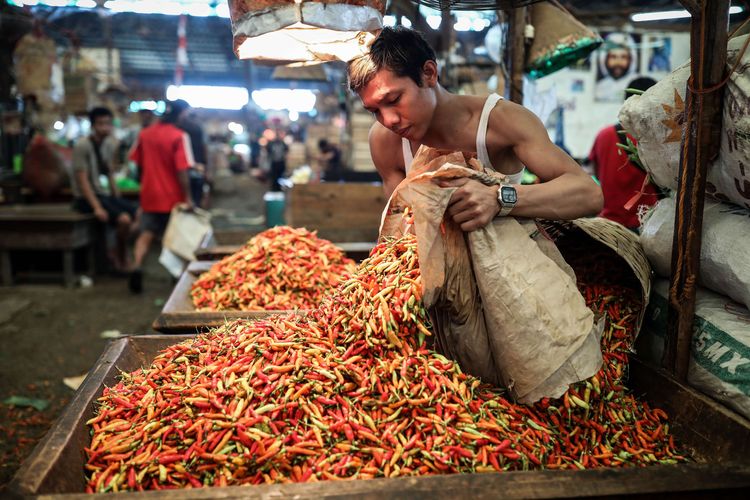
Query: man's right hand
101,214
186,206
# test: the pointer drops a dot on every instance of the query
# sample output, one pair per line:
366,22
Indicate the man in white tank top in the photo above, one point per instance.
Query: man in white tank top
398,82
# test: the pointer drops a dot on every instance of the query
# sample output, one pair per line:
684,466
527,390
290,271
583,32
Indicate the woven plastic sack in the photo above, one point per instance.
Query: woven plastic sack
656,119
504,306
725,245
720,352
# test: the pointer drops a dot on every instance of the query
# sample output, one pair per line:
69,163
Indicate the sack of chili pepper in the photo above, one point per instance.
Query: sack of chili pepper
504,304
282,268
350,391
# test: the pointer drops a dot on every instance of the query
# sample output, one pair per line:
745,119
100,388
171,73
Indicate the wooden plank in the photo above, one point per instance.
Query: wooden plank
657,482
517,25
48,212
41,234
692,6
711,430
339,212
708,50
56,465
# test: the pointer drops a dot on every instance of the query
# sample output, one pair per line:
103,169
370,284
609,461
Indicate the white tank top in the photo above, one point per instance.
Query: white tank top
482,154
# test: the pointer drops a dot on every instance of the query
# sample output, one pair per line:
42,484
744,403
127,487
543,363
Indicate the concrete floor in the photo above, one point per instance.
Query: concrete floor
48,332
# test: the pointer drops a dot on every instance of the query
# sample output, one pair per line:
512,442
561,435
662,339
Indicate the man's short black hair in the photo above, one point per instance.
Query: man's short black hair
98,112
641,84
174,110
401,50
323,144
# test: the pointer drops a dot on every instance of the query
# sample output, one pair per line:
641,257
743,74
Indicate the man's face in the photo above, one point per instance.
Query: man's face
399,104
102,126
618,62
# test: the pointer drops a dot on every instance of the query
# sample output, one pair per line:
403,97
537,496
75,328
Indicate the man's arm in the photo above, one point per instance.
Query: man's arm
81,172
566,191
113,186
182,176
88,193
183,161
116,165
385,152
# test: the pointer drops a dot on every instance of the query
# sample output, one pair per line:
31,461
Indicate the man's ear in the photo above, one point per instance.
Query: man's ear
430,74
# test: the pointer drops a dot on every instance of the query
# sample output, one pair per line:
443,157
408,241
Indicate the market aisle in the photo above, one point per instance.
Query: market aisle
48,333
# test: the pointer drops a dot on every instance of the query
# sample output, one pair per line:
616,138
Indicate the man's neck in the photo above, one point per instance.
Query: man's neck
98,139
447,113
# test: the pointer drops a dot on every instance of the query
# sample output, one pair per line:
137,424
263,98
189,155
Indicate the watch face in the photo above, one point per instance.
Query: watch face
508,195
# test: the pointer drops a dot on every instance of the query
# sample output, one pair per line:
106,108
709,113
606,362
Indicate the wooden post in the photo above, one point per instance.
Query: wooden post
517,25
708,50
447,42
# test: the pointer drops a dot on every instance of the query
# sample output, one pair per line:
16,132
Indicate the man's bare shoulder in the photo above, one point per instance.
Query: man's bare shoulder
382,136
512,123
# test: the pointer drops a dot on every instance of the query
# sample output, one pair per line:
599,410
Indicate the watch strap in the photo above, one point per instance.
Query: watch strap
505,210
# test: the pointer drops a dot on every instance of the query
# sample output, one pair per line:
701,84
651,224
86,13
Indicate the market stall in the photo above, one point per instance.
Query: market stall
413,357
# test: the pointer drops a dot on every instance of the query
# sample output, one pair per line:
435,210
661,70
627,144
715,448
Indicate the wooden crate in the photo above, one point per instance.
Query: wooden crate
719,436
180,317
341,212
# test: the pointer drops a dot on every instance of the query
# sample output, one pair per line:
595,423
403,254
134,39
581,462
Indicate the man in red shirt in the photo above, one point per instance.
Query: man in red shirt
164,155
622,182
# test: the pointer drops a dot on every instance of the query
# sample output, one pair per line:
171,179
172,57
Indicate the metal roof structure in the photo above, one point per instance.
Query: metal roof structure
147,42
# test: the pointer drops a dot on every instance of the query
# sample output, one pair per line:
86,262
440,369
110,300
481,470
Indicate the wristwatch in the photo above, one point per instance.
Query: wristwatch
507,198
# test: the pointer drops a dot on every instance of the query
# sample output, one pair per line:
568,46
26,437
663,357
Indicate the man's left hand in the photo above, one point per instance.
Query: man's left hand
473,205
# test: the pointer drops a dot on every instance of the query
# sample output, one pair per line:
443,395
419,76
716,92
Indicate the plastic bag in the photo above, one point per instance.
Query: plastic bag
185,231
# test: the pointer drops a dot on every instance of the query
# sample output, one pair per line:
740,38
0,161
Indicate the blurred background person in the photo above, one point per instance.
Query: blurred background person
329,161
164,155
277,150
189,123
623,183
94,187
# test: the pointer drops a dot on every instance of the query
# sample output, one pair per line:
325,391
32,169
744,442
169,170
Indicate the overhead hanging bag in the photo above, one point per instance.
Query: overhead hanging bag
309,31
503,303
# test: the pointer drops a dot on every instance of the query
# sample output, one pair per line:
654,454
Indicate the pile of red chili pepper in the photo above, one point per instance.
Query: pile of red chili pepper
279,269
352,391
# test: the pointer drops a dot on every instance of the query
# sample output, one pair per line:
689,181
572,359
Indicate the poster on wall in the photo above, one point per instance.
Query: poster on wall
617,65
663,53
657,54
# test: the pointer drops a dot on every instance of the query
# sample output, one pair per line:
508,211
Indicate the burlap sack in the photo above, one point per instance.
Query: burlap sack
501,307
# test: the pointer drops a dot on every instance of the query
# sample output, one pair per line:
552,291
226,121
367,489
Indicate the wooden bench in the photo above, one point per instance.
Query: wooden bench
45,227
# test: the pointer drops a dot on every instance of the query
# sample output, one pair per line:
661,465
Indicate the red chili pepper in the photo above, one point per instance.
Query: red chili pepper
302,398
